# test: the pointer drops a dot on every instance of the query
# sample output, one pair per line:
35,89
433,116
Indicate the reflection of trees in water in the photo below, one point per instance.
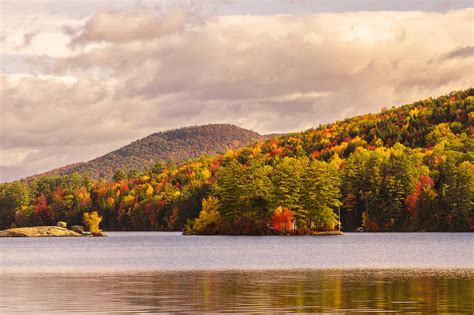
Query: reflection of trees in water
303,291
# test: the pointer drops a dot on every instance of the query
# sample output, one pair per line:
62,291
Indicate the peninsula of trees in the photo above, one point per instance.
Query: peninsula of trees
409,168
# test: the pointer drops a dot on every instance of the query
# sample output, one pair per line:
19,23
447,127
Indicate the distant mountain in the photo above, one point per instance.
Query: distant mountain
176,145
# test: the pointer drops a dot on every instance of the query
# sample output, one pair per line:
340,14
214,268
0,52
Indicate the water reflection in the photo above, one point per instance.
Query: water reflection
208,291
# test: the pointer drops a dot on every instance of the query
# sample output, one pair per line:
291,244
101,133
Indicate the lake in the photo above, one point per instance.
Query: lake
168,272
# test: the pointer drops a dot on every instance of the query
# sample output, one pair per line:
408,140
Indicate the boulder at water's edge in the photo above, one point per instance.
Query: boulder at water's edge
38,231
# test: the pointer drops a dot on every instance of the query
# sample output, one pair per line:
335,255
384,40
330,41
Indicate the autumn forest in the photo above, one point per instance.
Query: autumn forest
409,168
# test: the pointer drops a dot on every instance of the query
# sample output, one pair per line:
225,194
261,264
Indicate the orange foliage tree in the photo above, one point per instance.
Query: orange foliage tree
282,220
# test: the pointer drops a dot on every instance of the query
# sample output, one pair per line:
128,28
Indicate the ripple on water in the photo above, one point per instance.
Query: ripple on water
430,291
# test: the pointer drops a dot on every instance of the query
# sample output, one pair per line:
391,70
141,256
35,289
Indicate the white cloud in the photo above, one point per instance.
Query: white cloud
121,26
135,72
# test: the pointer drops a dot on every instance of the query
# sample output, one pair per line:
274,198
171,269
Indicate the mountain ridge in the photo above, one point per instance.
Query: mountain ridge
174,145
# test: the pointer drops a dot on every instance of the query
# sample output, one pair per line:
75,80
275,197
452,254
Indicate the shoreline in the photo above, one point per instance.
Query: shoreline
43,231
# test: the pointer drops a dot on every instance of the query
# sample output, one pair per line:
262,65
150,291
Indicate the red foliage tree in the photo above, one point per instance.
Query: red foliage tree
282,220
316,154
42,210
425,183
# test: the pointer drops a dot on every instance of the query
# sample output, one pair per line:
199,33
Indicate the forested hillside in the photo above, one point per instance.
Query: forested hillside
176,145
409,168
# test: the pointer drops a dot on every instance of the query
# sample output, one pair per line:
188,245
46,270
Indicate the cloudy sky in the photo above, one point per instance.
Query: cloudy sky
81,78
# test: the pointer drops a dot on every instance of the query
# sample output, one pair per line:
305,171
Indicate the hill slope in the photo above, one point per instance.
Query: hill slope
410,168
174,145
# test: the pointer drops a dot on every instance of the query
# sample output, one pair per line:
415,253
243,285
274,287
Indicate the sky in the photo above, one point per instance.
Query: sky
79,79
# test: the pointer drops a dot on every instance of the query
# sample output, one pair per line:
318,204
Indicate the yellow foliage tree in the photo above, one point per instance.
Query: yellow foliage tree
208,220
92,220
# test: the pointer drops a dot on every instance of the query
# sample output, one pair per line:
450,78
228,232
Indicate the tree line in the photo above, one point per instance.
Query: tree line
408,168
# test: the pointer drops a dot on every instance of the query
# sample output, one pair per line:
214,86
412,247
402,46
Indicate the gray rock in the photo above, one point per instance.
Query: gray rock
78,229
38,231
61,224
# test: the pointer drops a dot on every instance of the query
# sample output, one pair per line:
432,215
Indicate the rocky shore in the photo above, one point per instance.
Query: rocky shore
39,231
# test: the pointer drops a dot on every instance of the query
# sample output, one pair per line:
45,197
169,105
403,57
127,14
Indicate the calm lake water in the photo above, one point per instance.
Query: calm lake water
168,272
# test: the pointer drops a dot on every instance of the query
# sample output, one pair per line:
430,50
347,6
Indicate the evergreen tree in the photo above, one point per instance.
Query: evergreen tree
399,179
459,195
13,196
321,195
352,187
232,188
288,186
